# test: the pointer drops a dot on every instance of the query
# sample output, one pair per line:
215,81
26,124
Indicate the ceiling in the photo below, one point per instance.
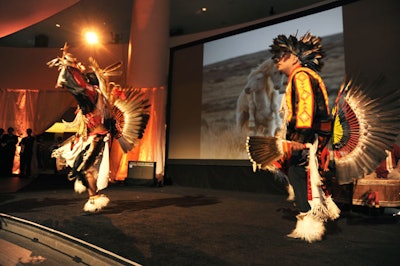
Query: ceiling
114,19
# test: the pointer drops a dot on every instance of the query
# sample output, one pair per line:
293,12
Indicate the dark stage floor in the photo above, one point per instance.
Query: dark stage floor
174,225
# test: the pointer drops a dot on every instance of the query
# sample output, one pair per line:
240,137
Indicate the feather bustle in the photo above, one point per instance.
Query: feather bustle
369,125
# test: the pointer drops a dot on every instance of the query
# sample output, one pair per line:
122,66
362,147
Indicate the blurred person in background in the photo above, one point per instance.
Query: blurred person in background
26,154
9,143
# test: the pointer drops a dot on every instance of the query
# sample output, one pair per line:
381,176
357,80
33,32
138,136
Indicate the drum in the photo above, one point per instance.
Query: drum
377,192
368,191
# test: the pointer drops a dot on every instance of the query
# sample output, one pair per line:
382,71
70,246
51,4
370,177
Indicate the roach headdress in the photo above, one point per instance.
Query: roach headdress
308,49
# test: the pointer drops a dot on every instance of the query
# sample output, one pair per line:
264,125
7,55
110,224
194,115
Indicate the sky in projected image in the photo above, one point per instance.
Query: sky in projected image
320,24
227,63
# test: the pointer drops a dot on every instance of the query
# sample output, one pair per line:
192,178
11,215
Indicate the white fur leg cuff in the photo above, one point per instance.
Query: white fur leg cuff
308,228
79,187
96,203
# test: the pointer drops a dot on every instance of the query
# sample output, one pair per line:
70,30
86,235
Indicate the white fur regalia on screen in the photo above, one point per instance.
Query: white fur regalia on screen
105,112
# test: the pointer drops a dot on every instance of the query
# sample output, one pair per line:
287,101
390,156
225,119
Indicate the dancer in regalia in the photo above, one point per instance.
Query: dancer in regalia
105,112
362,125
306,112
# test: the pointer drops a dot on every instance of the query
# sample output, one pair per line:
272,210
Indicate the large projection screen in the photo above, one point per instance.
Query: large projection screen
208,79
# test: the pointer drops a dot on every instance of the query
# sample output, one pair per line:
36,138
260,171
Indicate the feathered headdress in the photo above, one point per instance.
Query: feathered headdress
308,49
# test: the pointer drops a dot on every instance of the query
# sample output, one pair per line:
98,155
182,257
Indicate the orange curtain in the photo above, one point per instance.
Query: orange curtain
36,109
152,147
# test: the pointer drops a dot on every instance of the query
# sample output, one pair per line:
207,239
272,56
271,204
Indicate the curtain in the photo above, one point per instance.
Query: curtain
36,109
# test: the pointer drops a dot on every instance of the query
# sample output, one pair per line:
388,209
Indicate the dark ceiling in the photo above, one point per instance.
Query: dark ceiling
114,18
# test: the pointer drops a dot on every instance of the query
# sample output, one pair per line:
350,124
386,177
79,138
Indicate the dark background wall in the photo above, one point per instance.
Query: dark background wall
372,39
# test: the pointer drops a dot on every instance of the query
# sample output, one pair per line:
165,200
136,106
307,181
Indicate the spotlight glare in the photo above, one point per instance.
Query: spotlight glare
91,37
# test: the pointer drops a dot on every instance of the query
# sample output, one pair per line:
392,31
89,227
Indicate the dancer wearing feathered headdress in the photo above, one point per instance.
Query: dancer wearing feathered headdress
306,112
105,112
363,124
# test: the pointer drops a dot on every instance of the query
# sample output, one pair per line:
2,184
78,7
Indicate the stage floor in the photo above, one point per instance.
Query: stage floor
174,225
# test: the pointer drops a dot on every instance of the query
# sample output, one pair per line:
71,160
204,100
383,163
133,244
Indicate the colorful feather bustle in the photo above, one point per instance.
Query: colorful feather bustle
366,123
127,114
131,116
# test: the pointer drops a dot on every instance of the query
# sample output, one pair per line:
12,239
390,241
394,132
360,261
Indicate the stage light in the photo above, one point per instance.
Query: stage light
91,37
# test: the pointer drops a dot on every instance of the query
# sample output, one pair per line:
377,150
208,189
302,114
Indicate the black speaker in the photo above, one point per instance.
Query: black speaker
141,173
